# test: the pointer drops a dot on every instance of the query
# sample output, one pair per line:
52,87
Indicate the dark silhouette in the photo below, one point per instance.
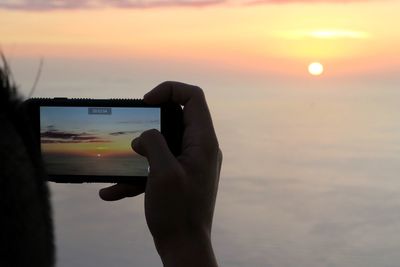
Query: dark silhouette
26,226
180,193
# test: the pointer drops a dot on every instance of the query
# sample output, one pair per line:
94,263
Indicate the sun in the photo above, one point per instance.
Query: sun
316,68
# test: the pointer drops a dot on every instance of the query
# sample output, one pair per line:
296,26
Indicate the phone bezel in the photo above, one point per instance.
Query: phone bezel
171,128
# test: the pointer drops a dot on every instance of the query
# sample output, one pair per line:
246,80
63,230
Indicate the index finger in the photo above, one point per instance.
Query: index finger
196,115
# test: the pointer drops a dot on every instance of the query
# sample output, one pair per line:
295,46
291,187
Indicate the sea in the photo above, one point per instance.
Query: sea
310,175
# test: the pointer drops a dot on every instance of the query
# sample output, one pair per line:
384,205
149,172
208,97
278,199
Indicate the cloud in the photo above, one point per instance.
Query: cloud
139,121
307,1
48,5
41,5
125,132
165,3
60,137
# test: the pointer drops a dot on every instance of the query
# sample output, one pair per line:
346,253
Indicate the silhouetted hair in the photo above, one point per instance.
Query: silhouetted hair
25,214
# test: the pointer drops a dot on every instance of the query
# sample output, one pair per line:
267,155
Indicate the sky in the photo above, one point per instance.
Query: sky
257,36
311,163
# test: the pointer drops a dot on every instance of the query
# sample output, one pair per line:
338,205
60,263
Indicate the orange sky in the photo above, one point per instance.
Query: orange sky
351,37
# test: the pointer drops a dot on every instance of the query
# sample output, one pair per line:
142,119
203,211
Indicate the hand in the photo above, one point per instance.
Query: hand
180,193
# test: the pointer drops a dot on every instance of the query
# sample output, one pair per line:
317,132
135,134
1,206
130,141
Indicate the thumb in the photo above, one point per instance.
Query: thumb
153,146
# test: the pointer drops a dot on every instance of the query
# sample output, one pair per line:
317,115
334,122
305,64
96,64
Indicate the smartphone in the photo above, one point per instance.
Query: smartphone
89,140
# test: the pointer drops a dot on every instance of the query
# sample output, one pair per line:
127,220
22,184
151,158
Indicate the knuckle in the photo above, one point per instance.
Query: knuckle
170,171
211,147
166,83
174,171
198,92
220,155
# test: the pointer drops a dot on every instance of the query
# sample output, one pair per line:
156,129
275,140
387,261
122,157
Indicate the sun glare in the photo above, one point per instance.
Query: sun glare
316,68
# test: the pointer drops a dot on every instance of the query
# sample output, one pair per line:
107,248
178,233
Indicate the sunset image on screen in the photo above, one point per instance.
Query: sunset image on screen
94,140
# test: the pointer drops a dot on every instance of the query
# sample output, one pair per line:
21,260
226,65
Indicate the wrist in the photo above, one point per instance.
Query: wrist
194,249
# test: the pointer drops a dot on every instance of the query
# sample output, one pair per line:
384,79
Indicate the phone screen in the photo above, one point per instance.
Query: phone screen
95,140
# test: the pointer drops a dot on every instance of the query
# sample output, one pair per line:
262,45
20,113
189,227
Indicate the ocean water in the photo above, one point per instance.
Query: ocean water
310,174
132,165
